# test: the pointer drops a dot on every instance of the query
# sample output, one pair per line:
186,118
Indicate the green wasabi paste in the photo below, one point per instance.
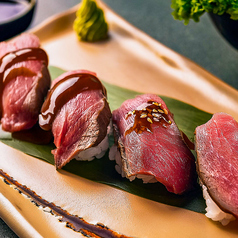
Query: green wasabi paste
90,24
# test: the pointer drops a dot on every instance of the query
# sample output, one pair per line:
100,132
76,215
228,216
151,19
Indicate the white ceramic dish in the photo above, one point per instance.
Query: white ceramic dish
133,60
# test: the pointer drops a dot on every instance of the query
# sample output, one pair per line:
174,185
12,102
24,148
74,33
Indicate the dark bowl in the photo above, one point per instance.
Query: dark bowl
227,27
19,17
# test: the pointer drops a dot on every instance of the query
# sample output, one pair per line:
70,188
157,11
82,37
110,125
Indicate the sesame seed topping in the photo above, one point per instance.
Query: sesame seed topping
149,120
143,115
156,115
161,111
156,119
144,118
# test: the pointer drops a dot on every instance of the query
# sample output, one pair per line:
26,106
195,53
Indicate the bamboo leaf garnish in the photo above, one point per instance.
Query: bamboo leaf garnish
103,171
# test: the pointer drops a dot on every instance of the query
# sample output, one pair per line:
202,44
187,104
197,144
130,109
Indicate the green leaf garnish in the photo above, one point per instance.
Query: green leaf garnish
193,9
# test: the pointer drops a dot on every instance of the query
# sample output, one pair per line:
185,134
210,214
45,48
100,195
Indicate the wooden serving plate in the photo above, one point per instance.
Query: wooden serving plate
133,60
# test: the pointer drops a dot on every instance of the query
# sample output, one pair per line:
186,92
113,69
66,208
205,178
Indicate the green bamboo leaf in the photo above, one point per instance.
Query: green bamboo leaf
103,171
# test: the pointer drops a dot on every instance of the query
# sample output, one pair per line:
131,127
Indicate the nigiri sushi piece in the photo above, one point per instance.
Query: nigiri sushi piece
149,145
216,144
77,112
24,82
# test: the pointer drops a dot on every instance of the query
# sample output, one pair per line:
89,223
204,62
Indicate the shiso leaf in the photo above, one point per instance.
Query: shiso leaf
103,170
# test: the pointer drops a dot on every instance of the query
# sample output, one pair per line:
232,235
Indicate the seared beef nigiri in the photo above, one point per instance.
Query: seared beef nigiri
149,144
217,165
77,111
24,82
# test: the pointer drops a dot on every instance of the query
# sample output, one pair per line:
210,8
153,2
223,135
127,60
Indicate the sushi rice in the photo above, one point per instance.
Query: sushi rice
214,212
114,154
95,151
5,134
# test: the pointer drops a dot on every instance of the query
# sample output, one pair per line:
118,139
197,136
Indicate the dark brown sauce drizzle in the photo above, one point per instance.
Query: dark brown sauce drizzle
18,71
63,91
14,57
73,222
143,120
26,54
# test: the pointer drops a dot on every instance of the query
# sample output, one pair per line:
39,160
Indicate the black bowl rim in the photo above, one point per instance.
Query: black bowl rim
21,14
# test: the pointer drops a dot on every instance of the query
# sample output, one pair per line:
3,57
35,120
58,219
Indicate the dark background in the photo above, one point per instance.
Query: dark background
199,42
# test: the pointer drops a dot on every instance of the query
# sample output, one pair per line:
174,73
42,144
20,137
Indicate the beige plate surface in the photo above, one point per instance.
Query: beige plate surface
133,60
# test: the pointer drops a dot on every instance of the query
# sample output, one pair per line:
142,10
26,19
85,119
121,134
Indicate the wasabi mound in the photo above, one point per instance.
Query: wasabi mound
90,24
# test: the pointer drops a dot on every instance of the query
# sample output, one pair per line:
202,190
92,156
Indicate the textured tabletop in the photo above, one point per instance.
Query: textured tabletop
199,42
